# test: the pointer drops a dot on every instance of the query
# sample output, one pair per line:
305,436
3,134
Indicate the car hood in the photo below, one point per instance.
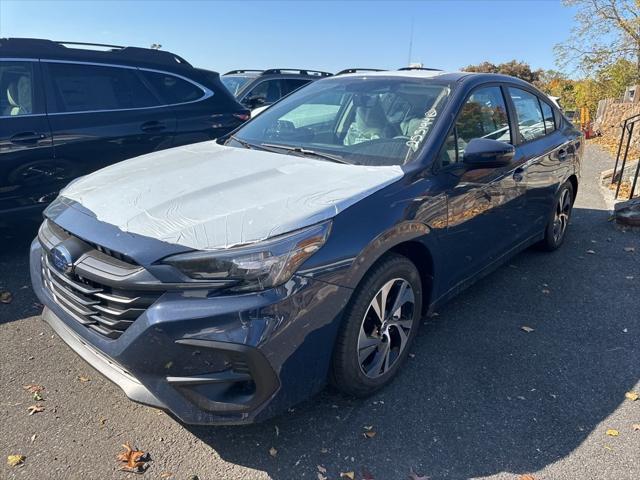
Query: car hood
207,196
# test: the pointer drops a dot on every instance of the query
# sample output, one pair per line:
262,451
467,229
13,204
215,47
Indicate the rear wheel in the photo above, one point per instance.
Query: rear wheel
558,223
379,327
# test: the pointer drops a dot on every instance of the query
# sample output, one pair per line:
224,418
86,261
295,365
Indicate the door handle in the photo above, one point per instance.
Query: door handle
27,138
518,174
562,154
153,126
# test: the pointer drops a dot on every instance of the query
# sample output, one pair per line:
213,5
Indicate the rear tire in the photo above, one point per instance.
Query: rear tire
378,327
558,223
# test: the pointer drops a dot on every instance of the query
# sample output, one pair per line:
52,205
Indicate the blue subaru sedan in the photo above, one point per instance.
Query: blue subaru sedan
226,281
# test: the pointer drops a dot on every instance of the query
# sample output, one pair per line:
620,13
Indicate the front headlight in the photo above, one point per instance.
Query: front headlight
255,267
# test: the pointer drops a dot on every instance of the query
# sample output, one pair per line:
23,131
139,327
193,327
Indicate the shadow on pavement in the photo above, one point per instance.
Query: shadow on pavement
481,395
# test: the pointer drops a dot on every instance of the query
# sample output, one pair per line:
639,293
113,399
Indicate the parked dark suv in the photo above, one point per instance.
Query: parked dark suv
227,282
261,88
66,111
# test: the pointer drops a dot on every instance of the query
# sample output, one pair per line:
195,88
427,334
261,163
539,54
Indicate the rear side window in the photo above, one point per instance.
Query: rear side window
529,114
549,119
17,89
292,84
172,89
82,88
268,92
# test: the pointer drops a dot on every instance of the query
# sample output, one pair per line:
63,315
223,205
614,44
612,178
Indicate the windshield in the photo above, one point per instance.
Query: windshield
360,120
234,83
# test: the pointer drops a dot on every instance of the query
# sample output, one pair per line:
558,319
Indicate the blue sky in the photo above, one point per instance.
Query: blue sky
328,35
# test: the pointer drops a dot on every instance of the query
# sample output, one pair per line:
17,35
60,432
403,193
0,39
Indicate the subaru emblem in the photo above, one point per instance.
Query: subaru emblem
61,259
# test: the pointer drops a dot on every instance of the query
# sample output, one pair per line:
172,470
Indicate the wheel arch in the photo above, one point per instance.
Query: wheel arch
573,179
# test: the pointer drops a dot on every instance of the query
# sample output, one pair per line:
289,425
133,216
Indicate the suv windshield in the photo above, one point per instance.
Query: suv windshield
360,120
235,83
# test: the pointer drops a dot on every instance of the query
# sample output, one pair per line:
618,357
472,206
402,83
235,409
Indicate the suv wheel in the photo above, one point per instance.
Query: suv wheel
378,328
559,220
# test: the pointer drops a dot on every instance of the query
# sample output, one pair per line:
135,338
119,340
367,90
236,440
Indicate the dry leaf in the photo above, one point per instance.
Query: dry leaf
633,396
546,291
33,388
636,426
591,252
322,476
83,379
35,409
166,474
612,432
369,434
629,249
414,476
134,460
321,469
37,397
349,475
5,297
527,329
273,452
15,460
526,476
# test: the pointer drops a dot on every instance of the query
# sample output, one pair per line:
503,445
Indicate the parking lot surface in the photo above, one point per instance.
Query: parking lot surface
480,397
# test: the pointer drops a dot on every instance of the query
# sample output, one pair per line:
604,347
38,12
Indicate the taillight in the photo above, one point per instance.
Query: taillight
244,116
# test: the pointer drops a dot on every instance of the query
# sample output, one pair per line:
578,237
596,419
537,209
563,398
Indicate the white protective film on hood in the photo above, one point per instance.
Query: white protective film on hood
207,196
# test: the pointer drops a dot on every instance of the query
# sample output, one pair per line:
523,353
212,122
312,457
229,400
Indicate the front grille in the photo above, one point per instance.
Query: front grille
97,292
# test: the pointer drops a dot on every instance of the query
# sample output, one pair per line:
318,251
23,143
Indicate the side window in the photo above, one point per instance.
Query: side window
17,89
268,92
484,115
172,89
529,114
293,84
81,88
549,118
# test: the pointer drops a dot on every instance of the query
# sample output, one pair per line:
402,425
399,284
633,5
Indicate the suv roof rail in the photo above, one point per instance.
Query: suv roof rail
356,70
27,45
421,68
313,73
234,72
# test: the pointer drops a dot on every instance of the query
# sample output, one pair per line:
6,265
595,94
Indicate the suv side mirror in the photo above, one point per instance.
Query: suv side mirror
254,101
487,153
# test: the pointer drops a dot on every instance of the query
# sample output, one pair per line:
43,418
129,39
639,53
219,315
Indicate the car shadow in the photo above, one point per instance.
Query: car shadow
14,270
481,395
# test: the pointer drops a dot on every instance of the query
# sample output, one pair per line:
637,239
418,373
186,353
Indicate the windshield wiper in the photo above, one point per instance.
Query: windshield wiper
245,144
304,151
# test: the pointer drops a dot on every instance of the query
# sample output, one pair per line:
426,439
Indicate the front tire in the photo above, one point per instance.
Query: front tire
558,223
378,328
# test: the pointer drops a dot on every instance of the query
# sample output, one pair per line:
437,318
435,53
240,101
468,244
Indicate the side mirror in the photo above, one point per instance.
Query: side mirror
487,153
254,101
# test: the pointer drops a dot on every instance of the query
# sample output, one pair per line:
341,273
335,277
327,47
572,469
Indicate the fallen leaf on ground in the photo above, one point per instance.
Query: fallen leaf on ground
527,329
612,432
591,252
15,460
633,396
636,426
321,469
83,379
273,452
414,476
33,388
35,409
629,249
134,460
369,434
526,476
166,474
37,397
546,291
33,438
349,475
322,476
5,297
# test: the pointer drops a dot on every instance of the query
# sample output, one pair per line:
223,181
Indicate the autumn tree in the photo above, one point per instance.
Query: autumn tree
605,31
514,68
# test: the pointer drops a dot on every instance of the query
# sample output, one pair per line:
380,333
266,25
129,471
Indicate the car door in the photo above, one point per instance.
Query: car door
102,114
28,169
544,151
485,205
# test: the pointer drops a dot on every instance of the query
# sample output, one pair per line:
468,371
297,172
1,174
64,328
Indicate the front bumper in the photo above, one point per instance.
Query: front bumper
214,359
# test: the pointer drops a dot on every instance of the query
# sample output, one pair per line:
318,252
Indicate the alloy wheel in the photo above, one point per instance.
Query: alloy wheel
386,327
561,216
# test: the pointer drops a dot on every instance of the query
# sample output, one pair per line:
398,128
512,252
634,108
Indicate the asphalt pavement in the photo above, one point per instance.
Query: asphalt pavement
479,398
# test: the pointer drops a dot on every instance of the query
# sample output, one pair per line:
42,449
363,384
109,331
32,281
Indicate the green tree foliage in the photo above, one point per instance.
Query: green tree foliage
605,31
